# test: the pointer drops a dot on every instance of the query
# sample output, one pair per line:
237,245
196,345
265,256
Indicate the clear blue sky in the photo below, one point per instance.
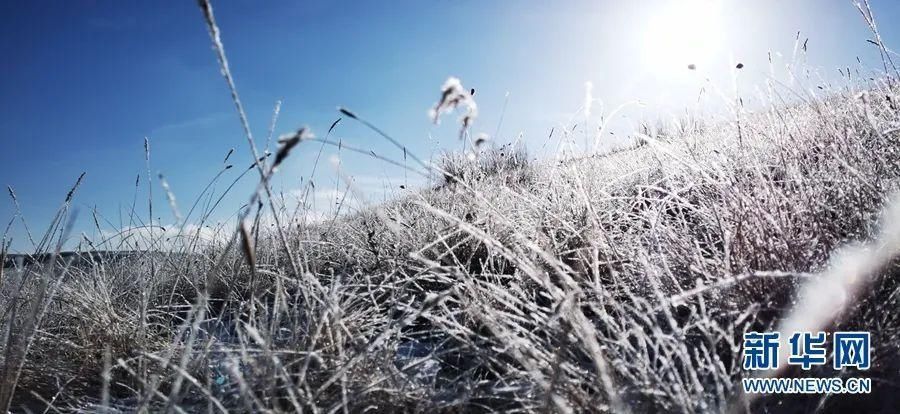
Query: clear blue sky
83,82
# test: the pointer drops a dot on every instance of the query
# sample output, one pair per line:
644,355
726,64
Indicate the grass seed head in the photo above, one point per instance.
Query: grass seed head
453,95
288,142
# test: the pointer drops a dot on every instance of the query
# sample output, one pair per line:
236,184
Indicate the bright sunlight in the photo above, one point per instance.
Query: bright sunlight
682,34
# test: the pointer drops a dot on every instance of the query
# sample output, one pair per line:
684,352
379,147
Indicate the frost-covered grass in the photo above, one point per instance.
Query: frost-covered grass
621,282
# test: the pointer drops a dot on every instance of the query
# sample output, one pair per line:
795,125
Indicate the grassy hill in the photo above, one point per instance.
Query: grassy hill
611,283
621,282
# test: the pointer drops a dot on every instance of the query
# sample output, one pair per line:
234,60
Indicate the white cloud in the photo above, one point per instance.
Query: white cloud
161,237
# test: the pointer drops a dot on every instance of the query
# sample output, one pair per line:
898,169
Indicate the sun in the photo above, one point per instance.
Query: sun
682,34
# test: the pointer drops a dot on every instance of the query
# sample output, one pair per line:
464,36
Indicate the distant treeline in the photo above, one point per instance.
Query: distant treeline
72,258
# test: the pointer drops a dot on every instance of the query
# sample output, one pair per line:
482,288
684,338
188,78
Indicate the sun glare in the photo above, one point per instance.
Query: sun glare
682,34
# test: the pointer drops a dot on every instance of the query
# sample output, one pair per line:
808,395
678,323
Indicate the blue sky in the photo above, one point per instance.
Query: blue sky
84,82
